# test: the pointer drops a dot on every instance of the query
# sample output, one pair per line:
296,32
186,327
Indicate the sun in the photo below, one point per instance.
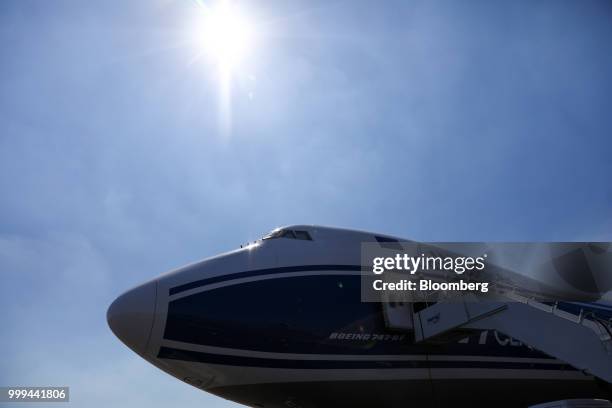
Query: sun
225,35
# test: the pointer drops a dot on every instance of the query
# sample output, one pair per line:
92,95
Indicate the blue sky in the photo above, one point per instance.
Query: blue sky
429,120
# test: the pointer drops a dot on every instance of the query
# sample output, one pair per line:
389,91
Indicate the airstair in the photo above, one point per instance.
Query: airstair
582,340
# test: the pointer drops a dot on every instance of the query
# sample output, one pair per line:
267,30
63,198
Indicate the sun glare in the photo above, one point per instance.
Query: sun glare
225,35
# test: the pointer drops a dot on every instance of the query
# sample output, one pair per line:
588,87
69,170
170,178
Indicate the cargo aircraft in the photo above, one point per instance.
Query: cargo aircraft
280,323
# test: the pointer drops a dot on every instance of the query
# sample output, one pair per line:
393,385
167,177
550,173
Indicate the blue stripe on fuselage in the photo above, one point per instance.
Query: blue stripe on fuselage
257,272
196,356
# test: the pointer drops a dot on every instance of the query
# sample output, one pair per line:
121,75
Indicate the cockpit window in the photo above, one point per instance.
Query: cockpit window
274,234
303,235
287,233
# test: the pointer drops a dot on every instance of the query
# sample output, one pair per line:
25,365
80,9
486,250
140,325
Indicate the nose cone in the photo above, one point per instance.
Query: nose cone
131,316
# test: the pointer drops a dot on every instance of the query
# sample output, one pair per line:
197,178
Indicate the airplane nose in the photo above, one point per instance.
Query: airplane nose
131,316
